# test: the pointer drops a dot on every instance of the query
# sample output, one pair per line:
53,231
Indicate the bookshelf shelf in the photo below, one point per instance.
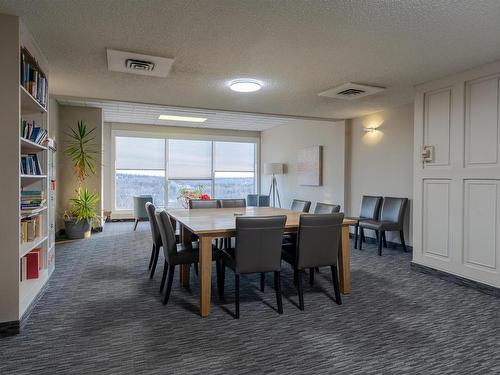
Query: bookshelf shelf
29,289
28,246
29,104
30,146
31,213
33,176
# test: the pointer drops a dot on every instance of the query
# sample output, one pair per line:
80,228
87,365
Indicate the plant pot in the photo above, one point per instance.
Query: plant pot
77,229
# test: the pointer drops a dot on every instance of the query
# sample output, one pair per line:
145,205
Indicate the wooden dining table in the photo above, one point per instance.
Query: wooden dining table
214,223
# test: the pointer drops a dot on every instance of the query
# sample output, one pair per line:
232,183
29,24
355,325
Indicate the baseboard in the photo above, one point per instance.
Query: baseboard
390,244
443,275
14,327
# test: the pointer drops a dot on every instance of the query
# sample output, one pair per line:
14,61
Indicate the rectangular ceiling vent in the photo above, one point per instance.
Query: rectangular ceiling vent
351,91
135,63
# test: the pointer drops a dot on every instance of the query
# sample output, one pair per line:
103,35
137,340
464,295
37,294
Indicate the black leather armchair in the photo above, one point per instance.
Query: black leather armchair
370,209
200,203
155,233
300,205
323,208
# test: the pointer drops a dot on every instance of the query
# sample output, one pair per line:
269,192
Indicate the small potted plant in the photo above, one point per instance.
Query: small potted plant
185,195
79,221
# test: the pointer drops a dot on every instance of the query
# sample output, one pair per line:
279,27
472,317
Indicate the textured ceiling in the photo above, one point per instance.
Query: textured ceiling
135,113
298,48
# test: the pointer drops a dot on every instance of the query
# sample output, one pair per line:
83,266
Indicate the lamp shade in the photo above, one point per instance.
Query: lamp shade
273,168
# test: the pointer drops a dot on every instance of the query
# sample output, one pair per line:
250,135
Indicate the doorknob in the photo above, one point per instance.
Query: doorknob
427,154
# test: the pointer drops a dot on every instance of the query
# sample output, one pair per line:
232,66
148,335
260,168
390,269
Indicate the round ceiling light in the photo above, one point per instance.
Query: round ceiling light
245,85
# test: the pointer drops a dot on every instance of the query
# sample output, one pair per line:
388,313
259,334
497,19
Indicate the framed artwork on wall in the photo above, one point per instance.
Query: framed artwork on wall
310,165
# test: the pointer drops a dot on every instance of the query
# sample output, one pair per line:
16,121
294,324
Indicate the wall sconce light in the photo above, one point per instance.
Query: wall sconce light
370,130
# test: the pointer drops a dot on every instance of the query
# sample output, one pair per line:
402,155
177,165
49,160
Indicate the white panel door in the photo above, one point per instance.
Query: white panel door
457,193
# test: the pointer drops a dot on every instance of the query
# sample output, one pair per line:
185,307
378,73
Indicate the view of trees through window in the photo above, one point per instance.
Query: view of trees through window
161,168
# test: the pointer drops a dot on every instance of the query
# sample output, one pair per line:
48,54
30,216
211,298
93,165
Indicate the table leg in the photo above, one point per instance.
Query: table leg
205,275
344,261
184,268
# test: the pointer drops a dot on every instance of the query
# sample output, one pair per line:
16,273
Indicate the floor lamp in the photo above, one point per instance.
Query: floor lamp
274,169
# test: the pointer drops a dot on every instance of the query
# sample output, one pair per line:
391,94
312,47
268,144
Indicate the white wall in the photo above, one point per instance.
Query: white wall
281,144
381,163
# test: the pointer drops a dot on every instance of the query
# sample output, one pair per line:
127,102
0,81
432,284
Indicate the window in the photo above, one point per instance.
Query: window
162,167
234,169
139,169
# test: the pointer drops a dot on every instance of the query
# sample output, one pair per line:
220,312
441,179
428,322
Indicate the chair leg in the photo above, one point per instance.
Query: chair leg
384,238
170,279
262,280
237,295
380,245
336,285
361,237
402,235
164,277
376,235
222,279
135,224
152,257
295,276
155,260
356,229
277,287
311,276
196,268
300,292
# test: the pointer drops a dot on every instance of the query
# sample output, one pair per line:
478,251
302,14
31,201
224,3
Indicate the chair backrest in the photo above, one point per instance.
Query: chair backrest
318,240
393,210
264,200
252,200
200,203
167,234
370,207
323,208
230,203
258,243
139,206
155,232
301,206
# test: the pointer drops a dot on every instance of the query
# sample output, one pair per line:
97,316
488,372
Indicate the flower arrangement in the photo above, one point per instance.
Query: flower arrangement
186,194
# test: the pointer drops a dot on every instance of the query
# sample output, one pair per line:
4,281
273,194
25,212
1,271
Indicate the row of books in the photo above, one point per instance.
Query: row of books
30,165
34,133
33,79
31,228
31,265
32,200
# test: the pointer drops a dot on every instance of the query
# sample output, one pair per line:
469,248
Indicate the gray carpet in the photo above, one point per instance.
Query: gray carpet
101,314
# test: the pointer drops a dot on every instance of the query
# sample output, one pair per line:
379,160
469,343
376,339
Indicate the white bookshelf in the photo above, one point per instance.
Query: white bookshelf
17,104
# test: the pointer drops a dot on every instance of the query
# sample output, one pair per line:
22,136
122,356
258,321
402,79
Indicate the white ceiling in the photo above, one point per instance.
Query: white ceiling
135,113
298,48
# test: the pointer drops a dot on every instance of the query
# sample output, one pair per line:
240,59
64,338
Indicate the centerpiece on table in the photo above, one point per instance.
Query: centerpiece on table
186,194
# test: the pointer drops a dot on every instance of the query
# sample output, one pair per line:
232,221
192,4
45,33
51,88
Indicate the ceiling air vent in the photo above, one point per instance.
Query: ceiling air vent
145,66
351,91
135,63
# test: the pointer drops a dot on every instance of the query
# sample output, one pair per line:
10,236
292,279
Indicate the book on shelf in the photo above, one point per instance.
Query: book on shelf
31,228
31,200
30,165
32,132
31,265
33,79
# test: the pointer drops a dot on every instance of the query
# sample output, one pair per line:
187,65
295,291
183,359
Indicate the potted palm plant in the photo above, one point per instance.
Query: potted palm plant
82,214
78,222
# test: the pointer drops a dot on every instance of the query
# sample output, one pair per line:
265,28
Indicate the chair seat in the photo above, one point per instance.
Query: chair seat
188,254
379,225
228,256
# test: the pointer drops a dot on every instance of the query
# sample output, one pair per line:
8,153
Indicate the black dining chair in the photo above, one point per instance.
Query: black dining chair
392,216
177,253
300,205
324,208
252,200
370,209
257,250
201,203
232,203
317,246
155,233
264,200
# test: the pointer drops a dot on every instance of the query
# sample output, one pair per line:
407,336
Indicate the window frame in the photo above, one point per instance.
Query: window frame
166,137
